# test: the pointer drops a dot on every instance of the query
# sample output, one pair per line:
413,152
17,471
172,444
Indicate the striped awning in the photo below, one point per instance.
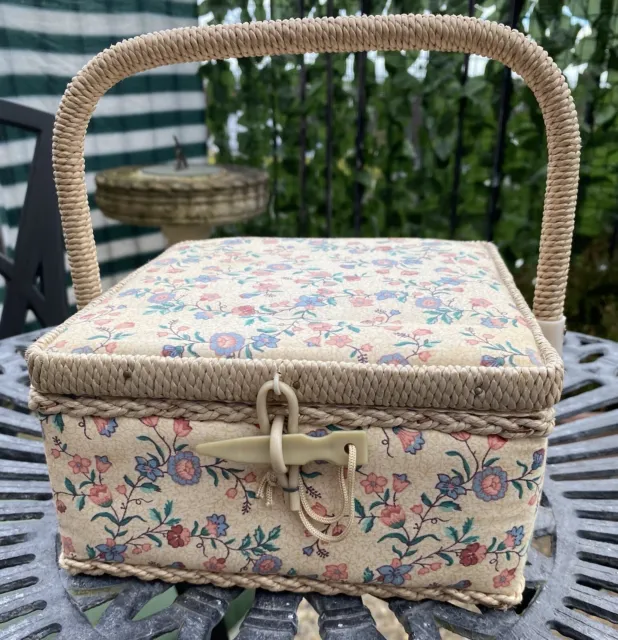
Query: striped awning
43,44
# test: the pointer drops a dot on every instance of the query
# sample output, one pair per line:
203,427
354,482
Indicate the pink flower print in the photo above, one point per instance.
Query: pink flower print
209,297
352,278
480,302
110,347
336,572
315,341
320,326
60,506
56,453
435,566
400,482
225,344
417,509
361,302
373,483
67,544
423,571
266,286
339,341
121,489
124,325
472,554
421,332
504,579
214,564
461,435
393,516
100,495
182,427
102,463
250,477
428,302
424,355
472,342
151,421
79,464
320,509
231,493
244,310
366,348
495,442
178,536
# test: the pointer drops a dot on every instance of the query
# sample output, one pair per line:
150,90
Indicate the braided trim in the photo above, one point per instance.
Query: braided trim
284,583
533,425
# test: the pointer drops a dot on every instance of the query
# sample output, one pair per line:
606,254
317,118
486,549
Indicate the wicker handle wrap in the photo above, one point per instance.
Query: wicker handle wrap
348,34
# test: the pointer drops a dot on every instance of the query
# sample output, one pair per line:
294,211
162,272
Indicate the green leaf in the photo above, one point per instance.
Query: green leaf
310,476
81,501
259,535
250,494
270,547
213,544
125,521
58,422
530,485
104,514
501,546
466,466
419,539
449,506
508,555
470,539
157,447
129,481
523,466
396,536
149,487
375,504
491,546
196,528
246,542
446,557
111,533
467,526
91,552
452,533
367,524
168,508
358,508
225,474
70,486
155,515
367,574
212,473
122,533
154,538
396,551
489,462
519,488
426,501
274,533
387,495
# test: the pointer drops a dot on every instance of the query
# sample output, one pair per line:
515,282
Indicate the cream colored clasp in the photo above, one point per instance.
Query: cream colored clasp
286,452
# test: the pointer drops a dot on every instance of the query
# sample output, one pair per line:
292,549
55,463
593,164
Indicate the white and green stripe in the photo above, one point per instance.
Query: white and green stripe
43,43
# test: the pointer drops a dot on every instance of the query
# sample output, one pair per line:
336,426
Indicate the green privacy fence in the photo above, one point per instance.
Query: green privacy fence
433,145
43,43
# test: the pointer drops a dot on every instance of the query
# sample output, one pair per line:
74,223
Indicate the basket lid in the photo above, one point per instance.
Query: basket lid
372,322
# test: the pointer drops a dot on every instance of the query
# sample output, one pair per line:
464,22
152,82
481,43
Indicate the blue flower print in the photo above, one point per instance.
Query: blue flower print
395,575
172,351
490,484
82,350
105,426
225,344
534,357
517,534
280,266
310,302
267,564
411,441
492,361
318,433
394,359
203,315
537,459
148,468
184,468
451,281
216,525
308,551
133,293
462,584
451,487
111,552
383,262
385,295
428,302
264,340
494,323
206,279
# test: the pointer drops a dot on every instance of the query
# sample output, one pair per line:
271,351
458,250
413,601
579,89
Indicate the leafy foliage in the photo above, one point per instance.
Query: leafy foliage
255,117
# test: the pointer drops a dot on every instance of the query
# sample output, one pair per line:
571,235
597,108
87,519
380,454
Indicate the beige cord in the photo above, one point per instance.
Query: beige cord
322,35
269,481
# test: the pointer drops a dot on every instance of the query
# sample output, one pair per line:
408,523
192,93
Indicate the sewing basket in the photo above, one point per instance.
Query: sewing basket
332,415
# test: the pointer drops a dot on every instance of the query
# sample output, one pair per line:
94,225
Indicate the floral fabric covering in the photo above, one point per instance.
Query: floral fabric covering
431,509
395,302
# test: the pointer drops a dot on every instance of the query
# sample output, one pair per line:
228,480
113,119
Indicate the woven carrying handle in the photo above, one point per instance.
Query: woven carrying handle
383,33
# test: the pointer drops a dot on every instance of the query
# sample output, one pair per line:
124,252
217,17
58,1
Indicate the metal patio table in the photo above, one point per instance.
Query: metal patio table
572,582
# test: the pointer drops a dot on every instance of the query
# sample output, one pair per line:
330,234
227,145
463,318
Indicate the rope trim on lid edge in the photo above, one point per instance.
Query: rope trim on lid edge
464,388
285,583
509,426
